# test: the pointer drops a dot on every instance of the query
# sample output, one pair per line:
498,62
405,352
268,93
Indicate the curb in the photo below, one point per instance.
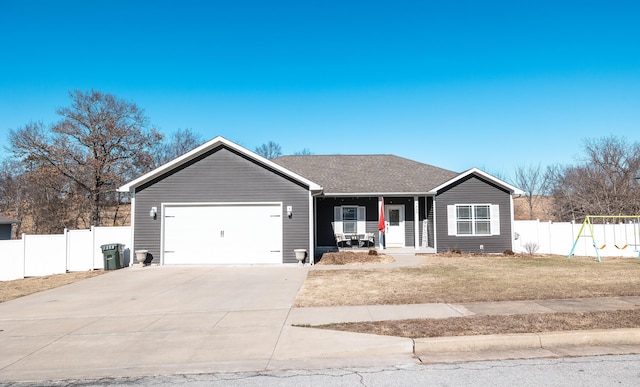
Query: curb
626,336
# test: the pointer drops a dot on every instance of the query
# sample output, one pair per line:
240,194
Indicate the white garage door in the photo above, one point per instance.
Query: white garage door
223,234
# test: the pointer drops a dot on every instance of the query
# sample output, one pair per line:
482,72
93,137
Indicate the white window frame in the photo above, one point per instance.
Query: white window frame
360,221
454,221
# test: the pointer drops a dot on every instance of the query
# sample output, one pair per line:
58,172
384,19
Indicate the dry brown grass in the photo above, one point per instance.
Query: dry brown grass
354,258
487,325
22,287
458,279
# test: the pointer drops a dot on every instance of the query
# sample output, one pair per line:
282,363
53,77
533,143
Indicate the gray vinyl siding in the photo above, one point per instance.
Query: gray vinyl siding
474,190
222,176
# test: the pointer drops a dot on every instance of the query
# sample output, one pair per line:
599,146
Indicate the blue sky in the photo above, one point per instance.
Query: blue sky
456,84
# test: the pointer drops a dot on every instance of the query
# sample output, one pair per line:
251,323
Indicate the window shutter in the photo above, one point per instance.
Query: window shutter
451,219
337,220
495,219
362,220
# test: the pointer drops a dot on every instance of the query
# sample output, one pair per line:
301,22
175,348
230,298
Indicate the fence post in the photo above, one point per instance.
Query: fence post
93,243
24,254
66,248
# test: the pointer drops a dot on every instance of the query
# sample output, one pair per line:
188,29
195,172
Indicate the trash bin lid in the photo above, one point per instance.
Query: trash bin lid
112,246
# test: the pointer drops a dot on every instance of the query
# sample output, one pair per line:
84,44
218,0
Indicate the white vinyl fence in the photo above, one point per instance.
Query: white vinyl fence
79,250
74,250
613,240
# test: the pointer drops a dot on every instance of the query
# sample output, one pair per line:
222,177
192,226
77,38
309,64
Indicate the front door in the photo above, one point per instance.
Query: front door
394,216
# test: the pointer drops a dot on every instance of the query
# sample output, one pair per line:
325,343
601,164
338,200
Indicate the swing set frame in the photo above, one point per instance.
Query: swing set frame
588,224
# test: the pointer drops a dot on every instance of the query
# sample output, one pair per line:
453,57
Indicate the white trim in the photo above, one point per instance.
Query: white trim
514,190
337,220
402,224
132,254
374,194
312,243
452,227
452,220
435,225
494,214
229,204
128,187
361,226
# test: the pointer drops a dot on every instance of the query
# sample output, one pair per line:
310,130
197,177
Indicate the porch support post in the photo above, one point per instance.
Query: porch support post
416,223
312,230
435,223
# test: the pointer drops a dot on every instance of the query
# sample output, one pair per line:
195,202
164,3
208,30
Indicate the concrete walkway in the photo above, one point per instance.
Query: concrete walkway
338,314
173,320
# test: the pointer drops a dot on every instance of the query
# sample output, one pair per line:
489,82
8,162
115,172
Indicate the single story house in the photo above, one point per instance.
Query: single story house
221,203
6,226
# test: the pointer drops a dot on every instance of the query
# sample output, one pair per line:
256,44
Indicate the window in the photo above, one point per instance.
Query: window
474,219
394,217
349,219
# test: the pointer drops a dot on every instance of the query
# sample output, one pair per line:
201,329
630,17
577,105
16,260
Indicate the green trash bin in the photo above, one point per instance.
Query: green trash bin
112,255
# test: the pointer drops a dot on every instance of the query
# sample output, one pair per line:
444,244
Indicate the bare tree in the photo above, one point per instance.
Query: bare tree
177,144
101,142
12,192
270,150
38,196
604,184
303,152
533,181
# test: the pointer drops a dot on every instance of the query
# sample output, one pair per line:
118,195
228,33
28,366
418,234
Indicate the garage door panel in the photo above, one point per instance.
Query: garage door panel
223,234
186,240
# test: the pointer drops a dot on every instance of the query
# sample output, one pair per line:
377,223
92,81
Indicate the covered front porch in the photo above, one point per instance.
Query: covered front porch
345,222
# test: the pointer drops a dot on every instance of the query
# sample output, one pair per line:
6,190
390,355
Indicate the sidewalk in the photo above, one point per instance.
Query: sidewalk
338,314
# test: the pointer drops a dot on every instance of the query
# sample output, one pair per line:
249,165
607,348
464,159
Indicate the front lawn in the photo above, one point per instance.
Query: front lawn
460,279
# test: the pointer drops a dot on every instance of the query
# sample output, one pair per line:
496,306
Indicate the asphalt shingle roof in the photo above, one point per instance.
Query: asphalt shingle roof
366,173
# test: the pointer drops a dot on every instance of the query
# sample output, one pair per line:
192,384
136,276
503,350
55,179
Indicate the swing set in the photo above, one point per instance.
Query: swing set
632,220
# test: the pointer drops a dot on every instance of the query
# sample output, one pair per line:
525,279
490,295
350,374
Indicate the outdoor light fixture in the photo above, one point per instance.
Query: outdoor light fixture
154,212
289,211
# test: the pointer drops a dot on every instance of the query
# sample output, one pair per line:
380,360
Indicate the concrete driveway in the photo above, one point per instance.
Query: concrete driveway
148,321
164,320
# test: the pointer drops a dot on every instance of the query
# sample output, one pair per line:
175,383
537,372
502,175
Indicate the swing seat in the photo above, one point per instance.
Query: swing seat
621,248
600,248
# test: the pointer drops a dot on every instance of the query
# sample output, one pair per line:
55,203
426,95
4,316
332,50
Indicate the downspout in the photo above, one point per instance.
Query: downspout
132,210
